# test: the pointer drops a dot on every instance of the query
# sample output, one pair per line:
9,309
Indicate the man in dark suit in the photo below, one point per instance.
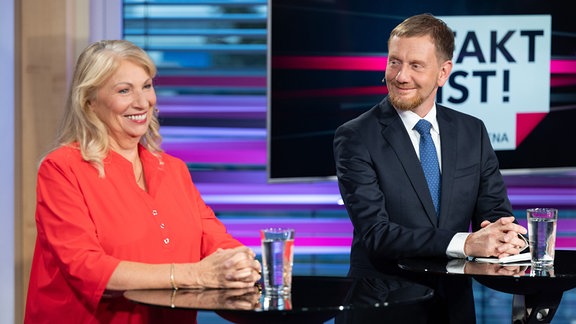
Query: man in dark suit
382,181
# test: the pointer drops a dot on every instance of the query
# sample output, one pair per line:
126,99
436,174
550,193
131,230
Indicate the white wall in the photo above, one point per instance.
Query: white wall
7,161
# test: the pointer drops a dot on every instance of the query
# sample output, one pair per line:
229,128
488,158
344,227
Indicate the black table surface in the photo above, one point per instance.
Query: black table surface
508,278
313,299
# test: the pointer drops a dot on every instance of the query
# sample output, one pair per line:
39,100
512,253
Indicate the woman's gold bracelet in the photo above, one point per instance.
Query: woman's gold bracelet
172,280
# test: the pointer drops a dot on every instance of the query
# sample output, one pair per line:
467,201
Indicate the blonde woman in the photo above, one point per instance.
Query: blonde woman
114,212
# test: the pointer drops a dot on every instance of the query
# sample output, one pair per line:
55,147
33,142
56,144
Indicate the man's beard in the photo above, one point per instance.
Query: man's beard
403,104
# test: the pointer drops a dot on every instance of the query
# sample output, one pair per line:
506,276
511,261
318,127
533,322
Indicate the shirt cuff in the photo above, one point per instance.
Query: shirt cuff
456,247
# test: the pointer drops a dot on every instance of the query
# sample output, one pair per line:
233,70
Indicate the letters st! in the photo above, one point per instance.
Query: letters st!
501,73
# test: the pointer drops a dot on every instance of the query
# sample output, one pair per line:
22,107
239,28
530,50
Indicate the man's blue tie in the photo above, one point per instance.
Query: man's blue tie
429,161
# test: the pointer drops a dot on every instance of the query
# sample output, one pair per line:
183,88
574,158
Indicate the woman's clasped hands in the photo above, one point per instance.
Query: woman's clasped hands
225,268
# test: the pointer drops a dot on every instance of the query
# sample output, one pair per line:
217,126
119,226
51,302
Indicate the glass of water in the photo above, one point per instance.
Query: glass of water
542,235
277,259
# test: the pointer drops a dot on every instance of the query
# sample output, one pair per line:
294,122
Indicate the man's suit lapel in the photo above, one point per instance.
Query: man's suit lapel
448,138
395,134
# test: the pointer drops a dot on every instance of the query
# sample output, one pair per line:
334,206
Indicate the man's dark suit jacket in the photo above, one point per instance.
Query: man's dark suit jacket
385,192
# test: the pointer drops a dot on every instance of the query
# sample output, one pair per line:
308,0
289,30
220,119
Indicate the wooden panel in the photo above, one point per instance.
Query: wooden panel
49,34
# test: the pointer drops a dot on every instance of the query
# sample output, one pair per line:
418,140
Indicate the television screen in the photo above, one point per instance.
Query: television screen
514,67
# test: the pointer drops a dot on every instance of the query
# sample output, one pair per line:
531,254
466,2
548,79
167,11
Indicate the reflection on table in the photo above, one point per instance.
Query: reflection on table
204,299
314,299
537,291
394,300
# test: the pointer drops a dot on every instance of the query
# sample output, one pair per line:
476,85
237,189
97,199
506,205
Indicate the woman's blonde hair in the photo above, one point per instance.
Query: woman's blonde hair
80,124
